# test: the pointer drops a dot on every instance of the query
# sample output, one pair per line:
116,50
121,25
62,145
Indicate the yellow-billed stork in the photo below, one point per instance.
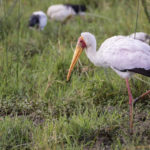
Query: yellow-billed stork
62,12
124,55
38,19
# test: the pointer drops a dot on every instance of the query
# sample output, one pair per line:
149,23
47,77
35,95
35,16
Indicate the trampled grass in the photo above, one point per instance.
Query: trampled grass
39,109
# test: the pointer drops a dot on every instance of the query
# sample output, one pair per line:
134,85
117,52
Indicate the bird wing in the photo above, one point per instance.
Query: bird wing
43,21
124,53
59,12
61,15
55,8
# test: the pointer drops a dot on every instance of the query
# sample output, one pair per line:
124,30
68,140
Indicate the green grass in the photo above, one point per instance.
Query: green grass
39,109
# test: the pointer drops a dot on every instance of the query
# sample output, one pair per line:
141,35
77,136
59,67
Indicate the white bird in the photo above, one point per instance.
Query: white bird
62,12
124,55
144,37
38,19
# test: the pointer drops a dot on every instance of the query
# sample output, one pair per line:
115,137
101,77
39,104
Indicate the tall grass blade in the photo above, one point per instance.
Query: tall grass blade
137,15
18,41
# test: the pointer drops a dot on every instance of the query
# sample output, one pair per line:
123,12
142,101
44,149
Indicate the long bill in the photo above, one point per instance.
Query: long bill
76,55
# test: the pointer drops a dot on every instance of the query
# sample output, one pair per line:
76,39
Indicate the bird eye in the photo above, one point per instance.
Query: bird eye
82,42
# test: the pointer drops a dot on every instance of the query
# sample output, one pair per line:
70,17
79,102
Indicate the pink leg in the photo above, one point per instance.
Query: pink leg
130,105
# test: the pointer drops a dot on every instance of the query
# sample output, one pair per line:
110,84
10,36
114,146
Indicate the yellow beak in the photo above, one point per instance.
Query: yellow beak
76,55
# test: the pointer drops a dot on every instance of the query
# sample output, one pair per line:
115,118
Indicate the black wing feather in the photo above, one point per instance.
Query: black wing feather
34,20
77,8
139,71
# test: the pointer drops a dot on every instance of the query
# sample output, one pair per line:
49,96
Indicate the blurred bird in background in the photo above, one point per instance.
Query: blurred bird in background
63,12
38,19
144,37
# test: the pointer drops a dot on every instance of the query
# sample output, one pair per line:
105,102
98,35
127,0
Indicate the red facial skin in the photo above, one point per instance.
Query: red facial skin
82,42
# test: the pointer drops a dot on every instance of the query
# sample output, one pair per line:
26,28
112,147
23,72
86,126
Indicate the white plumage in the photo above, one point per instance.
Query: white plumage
123,53
62,12
119,53
144,37
39,19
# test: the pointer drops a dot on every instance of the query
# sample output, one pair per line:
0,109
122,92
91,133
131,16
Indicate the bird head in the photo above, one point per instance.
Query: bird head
85,41
81,44
34,20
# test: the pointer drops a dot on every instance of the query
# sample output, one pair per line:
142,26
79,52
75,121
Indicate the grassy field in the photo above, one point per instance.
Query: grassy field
39,109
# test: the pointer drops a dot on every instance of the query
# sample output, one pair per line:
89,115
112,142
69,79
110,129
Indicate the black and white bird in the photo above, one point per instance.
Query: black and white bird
144,37
38,19
124,55
63,12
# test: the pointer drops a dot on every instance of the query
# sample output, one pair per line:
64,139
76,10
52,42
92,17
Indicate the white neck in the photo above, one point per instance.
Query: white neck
96,57
92,53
